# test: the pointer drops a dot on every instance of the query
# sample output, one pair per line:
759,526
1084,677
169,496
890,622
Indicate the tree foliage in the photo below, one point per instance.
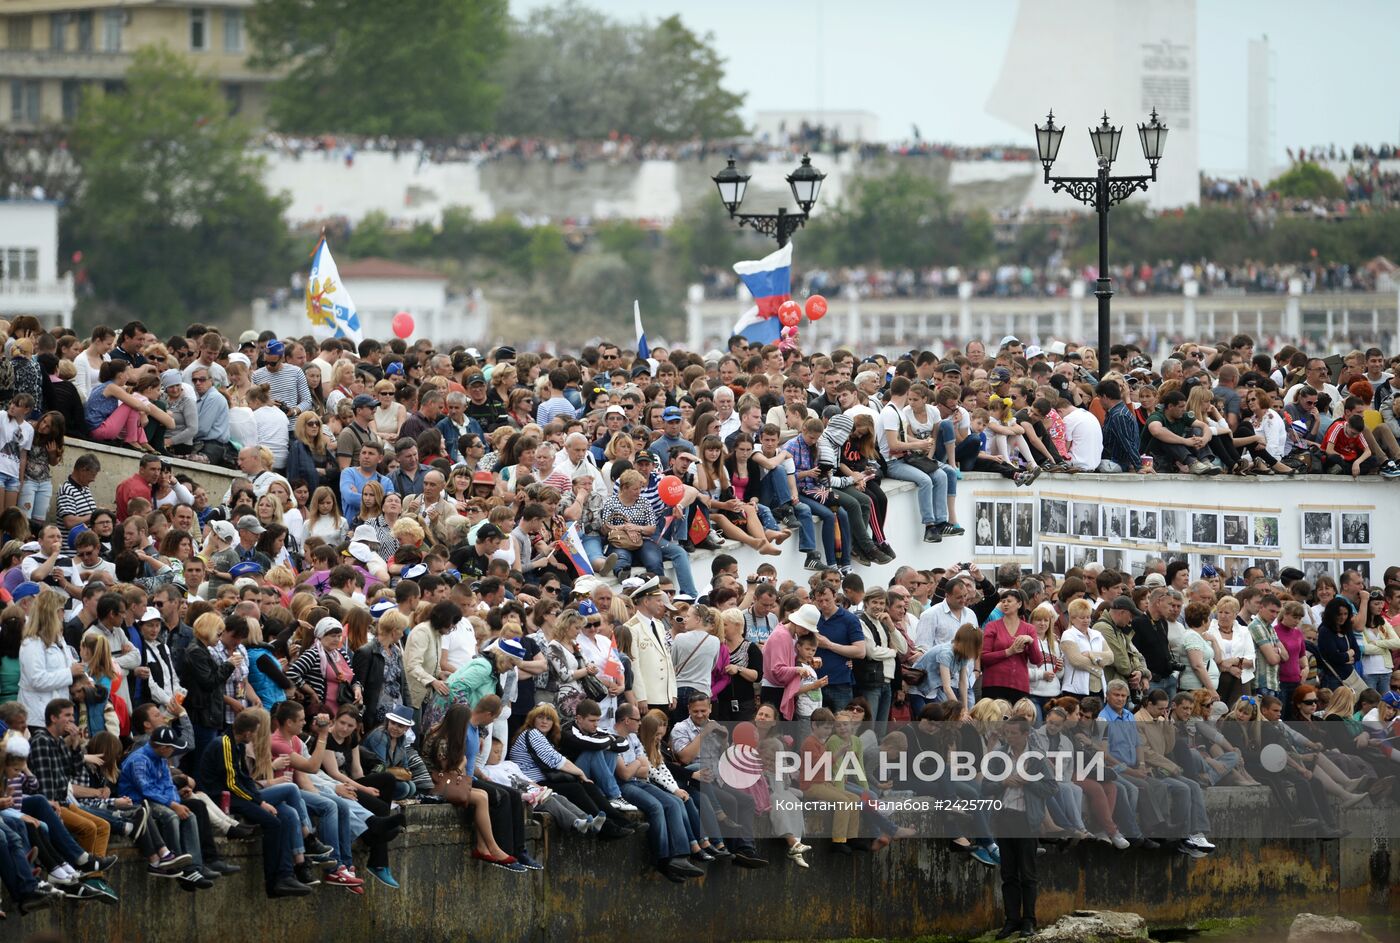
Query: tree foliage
410,68
1308,181
172,217
574,72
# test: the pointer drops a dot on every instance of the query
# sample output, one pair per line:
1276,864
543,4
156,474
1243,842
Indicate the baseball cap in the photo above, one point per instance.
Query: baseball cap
644,456
276,348
671,414
1057,348
1155,579
224,529
328,625
250,523
1392,698
483,478
365,534
171,378
488,531
473,378
615,410
167,737
505,353
1001,375
247,337
152,614
73,534
25,590
1125,603
236,357
362,400
1009,339
1033,352
247,568
949,367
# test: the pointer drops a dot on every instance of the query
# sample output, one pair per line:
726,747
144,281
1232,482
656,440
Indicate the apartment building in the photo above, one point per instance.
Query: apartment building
54,49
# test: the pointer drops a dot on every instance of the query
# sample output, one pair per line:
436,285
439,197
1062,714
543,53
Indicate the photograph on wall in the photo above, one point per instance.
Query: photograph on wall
1173,526
1053,558
1355,530
982,528
1025,527
1115,522
1137,564
1232,570
1114,559
1269,565
1313,569
1266,531
1319,531
1054,517
1234,530
1142,524
1003,530
1205,527
1086,519
1361,566
1205,564
1082,556
1178,555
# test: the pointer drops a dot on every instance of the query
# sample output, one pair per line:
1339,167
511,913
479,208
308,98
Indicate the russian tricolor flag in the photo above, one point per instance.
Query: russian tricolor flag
643,348
769,280
572,545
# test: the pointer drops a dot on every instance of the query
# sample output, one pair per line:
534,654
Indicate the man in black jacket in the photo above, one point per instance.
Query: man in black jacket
1150,635
220,769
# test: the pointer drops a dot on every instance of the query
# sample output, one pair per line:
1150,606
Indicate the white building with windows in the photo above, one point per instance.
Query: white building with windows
29,279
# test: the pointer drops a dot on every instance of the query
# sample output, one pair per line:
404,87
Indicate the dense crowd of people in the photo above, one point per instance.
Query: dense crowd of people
439,576
1164,277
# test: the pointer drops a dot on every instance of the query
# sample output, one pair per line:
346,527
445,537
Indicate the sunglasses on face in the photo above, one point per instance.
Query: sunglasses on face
1308,700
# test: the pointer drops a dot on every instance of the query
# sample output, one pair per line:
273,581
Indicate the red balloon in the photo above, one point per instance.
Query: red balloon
403,324
745,734
670,490
816,308
789,313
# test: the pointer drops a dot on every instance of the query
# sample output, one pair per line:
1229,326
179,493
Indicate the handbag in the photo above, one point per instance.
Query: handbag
548,774
1353,680
623,539
912,677
592,688
924,463
868,672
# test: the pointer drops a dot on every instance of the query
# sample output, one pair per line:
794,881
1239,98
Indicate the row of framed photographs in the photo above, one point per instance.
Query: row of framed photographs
1335,530
1004,527
1093,520
1058,558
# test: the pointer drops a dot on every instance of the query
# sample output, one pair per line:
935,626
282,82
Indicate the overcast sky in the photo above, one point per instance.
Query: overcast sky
933,63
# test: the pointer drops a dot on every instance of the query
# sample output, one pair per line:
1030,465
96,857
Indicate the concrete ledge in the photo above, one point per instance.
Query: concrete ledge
593,891
119,464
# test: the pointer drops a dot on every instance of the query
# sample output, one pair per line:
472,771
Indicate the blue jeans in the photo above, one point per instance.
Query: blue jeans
653,555
933,490
597,765
34,497
775,492
830,519
16,874
1125,808
280,834
837,696
289,795
669,835
38,807
879,699
593,548
332,822
1380,681
1167,684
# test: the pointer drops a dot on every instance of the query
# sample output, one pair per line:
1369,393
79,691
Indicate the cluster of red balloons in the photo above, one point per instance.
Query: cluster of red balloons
790,312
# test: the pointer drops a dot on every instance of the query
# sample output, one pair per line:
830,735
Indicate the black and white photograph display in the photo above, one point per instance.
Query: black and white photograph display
1173,526
1054,518
1115,522
1234,530
1355,530
1086,519
1025,526
1003,531
1313,569
1319,530
1142,524
1361,566
982,530
1232,569
1082,556
1205,527
1266,530
1269,565
1053,557
1114,559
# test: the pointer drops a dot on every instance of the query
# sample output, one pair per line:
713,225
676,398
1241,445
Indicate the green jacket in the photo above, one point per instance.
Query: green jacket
1126,657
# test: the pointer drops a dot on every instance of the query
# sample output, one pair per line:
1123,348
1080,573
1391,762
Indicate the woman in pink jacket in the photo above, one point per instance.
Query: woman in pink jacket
781,679
1008,650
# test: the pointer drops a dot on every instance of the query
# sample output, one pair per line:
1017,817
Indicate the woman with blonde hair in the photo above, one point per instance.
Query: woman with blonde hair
1045,677
46,667
390,414
107,678
310,457
323,518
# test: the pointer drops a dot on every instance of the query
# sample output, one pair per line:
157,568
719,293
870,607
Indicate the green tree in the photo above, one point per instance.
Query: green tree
1308,181
574,72
410,67
172,218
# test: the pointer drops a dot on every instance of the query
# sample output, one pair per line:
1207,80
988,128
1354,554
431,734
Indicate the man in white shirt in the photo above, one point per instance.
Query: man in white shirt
1316,378
1084,435
724,410
940,623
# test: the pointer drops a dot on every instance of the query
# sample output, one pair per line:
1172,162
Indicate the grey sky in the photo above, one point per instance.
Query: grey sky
933,62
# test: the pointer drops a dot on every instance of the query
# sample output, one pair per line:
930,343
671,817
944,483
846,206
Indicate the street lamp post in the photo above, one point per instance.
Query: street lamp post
1102,191
806,184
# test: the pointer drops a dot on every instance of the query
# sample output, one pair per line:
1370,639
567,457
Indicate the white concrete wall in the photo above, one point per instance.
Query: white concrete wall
29,224
1284,499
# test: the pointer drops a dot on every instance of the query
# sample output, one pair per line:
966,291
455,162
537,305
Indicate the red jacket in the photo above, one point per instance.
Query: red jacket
1003,670
133,487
